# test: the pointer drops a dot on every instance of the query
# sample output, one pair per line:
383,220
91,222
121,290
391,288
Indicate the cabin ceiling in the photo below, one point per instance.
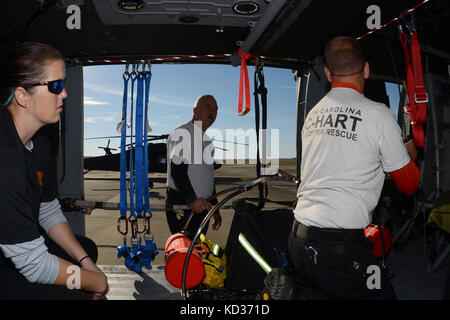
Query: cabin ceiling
295,36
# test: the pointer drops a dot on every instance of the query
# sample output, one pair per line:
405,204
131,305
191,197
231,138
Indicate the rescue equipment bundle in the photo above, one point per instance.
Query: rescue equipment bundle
208,263
140,254
190,263
381,237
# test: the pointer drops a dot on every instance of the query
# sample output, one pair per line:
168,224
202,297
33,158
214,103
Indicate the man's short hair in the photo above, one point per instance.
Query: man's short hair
344,56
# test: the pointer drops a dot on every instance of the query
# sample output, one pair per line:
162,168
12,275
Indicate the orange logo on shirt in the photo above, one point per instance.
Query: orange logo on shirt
40,177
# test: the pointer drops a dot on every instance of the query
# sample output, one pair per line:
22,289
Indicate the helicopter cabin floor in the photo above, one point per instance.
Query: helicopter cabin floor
412,277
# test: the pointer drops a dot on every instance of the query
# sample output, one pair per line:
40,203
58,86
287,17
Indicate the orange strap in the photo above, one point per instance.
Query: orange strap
244,73
345,85
407,178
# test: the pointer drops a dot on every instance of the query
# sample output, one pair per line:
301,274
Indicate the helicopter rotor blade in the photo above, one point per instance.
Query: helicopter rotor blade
155,137
245,144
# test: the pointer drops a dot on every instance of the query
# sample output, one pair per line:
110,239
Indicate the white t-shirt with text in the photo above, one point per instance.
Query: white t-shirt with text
348,142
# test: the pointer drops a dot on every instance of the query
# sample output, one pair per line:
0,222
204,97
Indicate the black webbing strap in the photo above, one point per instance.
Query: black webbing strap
260,89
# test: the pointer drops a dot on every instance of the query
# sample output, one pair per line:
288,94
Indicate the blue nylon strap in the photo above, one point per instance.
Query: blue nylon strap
123,159
132,213
148,79
139,166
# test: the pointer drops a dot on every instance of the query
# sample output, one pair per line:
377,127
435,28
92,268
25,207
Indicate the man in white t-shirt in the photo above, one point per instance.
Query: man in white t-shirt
190,169
348,143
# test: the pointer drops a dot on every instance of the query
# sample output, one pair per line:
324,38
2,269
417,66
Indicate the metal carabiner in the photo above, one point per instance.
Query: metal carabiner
126,74
119,229
134,229
133,73
144,223
147,217
410,25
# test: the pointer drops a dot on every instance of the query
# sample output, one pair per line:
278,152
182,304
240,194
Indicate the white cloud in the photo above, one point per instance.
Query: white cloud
99,119
100,88
90,101
153,98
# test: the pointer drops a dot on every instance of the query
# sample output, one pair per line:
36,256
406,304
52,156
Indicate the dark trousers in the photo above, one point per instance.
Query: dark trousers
340,269
177,225
14,286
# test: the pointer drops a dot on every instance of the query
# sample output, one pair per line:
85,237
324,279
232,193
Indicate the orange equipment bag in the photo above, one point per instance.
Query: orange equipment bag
176,249
372,232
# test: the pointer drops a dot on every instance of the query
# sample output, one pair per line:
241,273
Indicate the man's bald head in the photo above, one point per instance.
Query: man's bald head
205,110
203,100
344,56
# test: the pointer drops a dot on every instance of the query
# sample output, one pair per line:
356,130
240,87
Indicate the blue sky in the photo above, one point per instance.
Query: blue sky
173,90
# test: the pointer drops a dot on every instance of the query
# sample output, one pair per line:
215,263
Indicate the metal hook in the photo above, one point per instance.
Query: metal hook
149,65
408,23
126,73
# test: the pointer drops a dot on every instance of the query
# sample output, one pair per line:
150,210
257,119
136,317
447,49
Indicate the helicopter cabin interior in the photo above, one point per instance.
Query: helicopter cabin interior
289,34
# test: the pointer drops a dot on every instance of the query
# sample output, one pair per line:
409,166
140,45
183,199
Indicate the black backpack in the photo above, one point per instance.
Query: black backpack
265,232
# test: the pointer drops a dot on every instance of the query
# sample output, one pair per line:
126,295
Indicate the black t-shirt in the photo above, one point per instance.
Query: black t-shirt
27,178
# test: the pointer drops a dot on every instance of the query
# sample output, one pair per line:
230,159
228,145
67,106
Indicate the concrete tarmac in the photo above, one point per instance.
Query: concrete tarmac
101,225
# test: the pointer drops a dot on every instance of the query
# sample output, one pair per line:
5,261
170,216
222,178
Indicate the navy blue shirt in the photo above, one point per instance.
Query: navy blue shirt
27,178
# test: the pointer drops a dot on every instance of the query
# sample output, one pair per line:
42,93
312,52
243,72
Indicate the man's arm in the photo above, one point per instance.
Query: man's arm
181,179
184,186
407,178
397,157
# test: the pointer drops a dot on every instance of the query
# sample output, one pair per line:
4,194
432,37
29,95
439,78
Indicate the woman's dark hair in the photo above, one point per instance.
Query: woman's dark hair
25,65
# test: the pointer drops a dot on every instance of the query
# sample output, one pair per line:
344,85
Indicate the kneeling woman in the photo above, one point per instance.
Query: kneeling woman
40,257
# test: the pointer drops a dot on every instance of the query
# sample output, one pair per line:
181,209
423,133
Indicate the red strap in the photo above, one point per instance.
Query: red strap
244,73
417,96
407,178
420,94
411,106
345,85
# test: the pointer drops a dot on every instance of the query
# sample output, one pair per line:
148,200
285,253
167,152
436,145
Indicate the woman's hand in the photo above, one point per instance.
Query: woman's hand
89,265
102,292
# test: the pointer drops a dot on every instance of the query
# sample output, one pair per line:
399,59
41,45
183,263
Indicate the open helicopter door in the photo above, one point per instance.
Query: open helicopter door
312,85
70,146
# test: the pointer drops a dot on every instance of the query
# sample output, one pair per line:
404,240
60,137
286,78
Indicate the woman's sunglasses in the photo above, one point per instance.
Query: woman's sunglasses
55,86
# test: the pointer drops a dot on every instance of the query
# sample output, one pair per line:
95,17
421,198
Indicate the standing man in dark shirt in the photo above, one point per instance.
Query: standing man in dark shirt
190,169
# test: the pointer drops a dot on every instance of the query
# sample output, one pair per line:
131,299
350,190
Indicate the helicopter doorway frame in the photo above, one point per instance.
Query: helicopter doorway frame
70,149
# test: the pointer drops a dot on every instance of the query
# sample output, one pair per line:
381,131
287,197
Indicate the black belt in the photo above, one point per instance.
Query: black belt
327,235
323,244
